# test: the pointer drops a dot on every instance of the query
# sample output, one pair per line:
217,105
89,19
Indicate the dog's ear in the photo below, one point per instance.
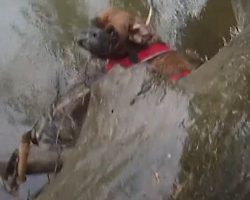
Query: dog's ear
97,22
104,16
140,33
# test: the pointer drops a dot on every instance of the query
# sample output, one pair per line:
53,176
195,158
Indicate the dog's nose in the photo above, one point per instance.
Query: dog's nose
80,42
82,38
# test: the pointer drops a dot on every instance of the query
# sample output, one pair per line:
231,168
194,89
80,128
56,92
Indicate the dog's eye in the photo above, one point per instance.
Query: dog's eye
110,29
94,35
113,35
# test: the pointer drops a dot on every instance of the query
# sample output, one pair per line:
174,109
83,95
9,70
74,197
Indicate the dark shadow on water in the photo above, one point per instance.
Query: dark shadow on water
208,33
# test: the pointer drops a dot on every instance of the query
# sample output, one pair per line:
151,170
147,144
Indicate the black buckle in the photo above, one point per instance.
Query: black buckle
133,57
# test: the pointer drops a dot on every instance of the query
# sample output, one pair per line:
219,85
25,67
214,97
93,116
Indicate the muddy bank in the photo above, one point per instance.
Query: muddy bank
143,139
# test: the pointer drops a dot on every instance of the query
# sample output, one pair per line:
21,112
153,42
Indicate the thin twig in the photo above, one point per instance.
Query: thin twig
29,195
150,13
48,177
67,101
59,129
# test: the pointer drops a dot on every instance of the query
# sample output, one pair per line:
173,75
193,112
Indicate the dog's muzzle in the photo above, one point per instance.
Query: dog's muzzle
82,38
90,36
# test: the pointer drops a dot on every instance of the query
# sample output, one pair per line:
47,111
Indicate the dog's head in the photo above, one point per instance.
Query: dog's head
114,32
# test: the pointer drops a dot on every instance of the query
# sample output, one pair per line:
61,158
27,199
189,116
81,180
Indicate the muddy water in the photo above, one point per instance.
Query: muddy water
38,57
209,32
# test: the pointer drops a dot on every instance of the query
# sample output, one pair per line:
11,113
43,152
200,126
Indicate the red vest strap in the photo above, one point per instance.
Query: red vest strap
144,55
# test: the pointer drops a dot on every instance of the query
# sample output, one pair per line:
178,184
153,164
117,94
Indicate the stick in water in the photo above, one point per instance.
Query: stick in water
23,153
150,13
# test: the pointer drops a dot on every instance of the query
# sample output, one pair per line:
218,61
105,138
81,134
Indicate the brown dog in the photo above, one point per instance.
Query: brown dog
125,39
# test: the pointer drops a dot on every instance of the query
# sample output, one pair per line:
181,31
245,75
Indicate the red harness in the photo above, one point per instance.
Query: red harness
144,55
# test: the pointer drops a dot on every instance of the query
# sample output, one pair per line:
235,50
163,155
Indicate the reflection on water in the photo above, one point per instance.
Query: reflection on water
36,47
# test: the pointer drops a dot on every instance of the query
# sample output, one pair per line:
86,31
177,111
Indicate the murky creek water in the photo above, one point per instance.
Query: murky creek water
37,54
